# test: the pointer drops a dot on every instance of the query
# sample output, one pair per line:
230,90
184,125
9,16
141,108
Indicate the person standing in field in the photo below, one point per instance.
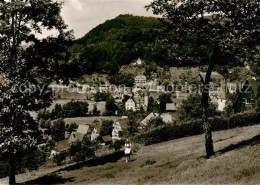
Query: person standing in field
127,150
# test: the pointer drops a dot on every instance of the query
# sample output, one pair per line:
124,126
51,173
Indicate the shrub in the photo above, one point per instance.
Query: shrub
219,123
244,119
195,127
81,150
117,145
148,162
109,176
59,158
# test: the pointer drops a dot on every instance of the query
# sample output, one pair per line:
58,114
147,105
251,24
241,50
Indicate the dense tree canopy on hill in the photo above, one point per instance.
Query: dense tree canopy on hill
126,38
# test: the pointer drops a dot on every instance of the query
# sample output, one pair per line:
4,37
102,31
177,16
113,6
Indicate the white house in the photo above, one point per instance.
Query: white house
138,62
218,97
116,131
130,105
140,80
95,132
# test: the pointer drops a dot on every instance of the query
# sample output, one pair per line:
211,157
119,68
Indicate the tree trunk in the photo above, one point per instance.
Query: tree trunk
208,136
205,99
12,170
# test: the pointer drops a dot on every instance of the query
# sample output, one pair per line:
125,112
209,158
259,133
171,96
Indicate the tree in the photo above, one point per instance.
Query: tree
111,106
154,122
101,96
60,157
132,125
56,112
191,108
230,26
106,128
74,109
117,145
71,127
27,65
164,98
81,150
58,130
95,111
43,114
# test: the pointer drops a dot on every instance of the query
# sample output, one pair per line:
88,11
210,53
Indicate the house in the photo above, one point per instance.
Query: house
130,105
141,99
118,128
82,131
140,80
166,117
152,85
107,139
182,95
116,131
231,87
247,98
61,146
155,95
95,132
138,62
219,98
214,76
127,91
171,107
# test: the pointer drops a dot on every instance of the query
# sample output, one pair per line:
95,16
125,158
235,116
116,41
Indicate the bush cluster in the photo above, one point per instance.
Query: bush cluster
195,127
69,110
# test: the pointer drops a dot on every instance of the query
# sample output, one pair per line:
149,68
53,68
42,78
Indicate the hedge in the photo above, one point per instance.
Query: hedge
195,127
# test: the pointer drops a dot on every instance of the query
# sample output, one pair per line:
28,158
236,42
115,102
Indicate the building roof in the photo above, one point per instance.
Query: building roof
62,145
130,100
171,106
123,122
75,136
107,138
83,129
167,118
254,85
155,95
140,77
149,117
214,75
98,127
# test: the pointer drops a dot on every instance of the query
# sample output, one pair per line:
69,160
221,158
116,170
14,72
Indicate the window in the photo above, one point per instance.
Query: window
248,101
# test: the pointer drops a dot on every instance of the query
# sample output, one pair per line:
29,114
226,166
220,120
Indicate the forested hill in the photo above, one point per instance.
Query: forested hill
118,42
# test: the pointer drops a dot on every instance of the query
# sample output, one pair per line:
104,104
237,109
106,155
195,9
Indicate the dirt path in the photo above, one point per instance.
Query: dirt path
177,161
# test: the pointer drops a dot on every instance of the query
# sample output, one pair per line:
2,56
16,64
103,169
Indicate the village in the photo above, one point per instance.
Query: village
129,92
111,108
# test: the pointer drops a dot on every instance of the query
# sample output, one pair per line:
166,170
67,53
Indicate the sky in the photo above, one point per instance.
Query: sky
84,15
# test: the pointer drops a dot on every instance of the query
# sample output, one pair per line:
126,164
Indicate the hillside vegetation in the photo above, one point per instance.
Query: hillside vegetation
179,161
122,40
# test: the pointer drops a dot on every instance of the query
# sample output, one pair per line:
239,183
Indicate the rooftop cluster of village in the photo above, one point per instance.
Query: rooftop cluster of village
116,112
